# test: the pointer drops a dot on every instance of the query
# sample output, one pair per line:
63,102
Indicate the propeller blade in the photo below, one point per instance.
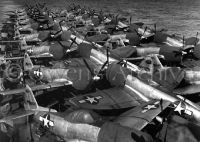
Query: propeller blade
73,41
197,40
130,20
107,61
144,31
183,42
137,32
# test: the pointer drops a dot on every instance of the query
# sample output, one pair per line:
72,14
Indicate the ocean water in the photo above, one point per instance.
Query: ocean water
178,16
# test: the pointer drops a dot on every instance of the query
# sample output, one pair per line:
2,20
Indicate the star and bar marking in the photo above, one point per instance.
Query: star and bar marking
151,106
46,120
91,100
180,108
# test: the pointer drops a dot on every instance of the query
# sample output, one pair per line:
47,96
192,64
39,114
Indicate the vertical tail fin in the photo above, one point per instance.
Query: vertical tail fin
30,102
28,65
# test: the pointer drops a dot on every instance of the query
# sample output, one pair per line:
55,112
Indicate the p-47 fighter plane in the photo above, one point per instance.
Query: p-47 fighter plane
182,81
86,125
19,73
130,91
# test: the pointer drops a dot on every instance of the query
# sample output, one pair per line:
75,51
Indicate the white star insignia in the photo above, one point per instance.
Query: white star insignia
91,100
37,73
151,106
46,121
179,108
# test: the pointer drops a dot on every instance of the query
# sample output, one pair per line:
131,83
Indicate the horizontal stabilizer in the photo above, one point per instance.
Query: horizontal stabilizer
141,116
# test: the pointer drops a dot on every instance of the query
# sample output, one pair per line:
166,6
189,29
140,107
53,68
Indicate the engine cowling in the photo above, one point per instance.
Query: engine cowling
116,74
12,75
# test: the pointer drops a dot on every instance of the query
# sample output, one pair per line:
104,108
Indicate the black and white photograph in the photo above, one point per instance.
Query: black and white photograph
99,71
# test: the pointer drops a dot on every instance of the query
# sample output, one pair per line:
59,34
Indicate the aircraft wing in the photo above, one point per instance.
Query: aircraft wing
6,96
37,87
9,119
188,90
140,116
113,98
191,63
51,85
15,115
44,55
32,56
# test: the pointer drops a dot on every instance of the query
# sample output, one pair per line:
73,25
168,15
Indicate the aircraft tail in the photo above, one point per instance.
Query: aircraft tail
30,106
30,102
28,65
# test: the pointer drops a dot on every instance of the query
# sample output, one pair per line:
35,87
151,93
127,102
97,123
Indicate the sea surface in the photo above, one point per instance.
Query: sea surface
178,16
